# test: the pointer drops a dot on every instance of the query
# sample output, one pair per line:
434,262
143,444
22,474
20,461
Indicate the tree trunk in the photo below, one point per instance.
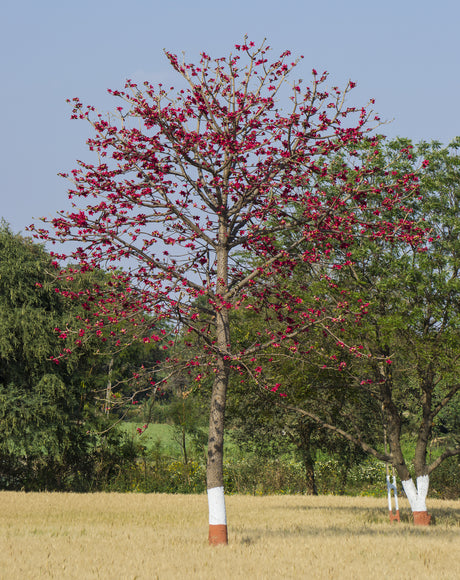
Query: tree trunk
416,496
215,460
392,422
305,431
108,392
184,445
215,465
417,499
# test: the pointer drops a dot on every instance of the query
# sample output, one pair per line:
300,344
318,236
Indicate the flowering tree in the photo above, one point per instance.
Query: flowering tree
187,181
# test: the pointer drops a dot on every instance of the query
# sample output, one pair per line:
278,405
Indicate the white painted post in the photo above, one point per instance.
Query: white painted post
395,488
392,487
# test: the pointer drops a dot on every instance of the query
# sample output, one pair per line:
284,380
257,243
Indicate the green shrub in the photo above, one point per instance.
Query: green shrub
445,480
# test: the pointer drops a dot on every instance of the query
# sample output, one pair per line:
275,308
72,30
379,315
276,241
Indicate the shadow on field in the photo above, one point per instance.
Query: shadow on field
254,535
452,513
368,515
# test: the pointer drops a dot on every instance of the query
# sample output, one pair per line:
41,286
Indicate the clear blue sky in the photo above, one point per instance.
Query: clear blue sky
403,53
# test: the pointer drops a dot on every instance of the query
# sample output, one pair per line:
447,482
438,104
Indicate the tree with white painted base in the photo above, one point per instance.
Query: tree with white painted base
187,181
405,370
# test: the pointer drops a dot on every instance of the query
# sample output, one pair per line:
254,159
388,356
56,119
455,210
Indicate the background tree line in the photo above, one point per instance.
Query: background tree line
55,425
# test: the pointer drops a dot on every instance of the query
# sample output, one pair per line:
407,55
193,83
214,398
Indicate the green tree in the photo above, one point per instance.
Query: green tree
399,362
261,422
49,412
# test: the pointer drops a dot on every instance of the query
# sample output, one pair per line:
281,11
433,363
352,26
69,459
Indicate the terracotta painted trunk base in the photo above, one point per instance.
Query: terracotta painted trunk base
218,534
422,518
394,517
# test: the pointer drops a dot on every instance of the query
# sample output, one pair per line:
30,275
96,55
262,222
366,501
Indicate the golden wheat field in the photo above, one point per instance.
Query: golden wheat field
128,536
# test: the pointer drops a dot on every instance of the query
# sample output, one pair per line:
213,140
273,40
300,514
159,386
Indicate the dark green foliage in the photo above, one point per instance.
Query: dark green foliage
48,412
445,481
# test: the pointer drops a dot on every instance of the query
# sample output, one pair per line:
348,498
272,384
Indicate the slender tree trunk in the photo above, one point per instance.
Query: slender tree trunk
309,464
108,391
215,459
184,445
424,431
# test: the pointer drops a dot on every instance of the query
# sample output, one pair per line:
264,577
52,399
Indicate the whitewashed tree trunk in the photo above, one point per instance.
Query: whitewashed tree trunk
217,516
215,461
417,498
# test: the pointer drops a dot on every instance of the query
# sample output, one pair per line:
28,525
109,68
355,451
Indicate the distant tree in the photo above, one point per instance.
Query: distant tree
184,182
42,406
51,416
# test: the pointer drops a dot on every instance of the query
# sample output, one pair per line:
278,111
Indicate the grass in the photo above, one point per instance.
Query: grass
168,438
134,536
155,432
